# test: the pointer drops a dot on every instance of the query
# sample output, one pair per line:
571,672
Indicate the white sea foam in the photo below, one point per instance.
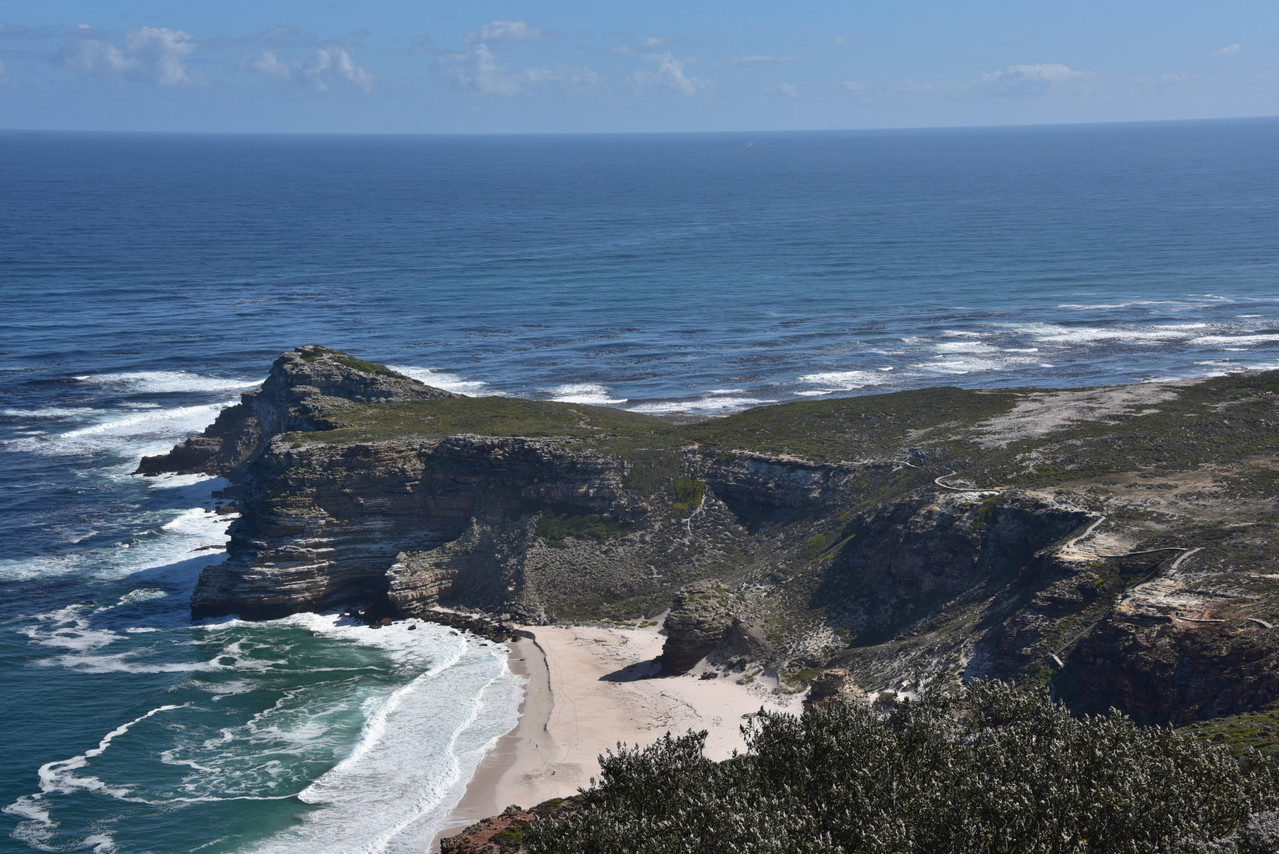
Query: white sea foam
60,776
958,366
160,382
49,412
1236,340
1053,334
134,433
712,404
445,380
963,347
833,382
415,753
1113,306
589,394
190,535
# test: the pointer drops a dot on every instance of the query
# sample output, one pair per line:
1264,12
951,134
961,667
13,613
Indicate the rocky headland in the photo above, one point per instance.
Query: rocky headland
1116,543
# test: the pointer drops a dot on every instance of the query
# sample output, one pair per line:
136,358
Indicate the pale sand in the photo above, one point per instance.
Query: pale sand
583,697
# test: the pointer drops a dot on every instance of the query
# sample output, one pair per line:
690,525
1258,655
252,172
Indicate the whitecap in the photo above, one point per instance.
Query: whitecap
1236,340
193,534
50,412
588,394
711,405
963,347
141,594
1054,334
135,434
159,382
377,798
445,380
843,380
60,776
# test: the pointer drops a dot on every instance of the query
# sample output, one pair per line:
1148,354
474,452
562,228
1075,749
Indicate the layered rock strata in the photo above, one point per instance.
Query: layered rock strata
1125,557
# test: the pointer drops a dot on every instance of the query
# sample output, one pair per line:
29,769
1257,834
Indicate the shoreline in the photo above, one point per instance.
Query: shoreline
482,796
590,687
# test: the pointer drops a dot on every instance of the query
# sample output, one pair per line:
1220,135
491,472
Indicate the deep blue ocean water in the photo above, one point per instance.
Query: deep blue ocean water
145,280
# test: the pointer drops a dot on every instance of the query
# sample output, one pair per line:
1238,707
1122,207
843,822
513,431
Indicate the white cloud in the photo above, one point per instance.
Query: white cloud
653,41
1029,80
853,85
150,54
784,90
670,75
507,31
3,78
1228,49
480,72
1049,72
328,68
269,64
1163,81
333,66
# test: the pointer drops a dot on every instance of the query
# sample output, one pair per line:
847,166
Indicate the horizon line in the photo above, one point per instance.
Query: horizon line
1009,126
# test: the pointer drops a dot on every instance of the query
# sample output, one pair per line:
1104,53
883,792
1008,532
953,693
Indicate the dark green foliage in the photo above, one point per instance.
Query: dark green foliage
557,525
688,495
314,353
1241,733
995,769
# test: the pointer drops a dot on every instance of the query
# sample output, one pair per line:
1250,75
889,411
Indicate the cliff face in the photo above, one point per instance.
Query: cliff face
301,386
954,535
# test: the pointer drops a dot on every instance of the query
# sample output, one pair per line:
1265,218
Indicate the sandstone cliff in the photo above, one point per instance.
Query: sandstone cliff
1113,542
302,385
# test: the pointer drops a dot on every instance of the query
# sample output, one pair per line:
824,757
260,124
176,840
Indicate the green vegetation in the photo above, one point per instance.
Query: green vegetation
558,524
1242,733
994,769
851,428
1224,418
688,495
314,353
497,416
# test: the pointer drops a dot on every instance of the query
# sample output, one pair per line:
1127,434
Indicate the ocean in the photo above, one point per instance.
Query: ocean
147,280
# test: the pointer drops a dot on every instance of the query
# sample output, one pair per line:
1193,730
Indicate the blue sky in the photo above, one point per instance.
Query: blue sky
660,65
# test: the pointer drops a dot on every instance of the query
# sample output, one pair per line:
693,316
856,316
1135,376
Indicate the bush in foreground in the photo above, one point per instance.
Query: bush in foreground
993,769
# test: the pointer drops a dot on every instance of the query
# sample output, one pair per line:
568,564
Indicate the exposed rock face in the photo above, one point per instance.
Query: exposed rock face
1151,586
1172,670
300,386
834,685
698,622
327,525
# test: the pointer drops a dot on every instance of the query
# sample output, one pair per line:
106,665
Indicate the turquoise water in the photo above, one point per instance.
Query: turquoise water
145,281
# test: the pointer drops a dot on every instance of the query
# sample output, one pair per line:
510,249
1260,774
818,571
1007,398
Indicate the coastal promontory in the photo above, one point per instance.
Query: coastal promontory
1117,543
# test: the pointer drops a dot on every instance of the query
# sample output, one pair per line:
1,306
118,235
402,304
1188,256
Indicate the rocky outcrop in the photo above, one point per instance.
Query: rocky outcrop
904,561
1175,669
326,525
699,621
301,391
833,685
881,555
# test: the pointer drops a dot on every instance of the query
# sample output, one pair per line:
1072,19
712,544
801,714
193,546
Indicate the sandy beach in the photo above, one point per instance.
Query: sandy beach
587,691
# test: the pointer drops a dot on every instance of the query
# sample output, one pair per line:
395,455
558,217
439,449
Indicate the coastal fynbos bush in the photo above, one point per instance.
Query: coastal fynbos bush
991,769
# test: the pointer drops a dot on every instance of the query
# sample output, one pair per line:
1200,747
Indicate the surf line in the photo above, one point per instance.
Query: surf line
51,772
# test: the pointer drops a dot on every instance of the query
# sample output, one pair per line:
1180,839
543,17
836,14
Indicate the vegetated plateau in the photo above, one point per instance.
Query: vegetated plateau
1114,543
